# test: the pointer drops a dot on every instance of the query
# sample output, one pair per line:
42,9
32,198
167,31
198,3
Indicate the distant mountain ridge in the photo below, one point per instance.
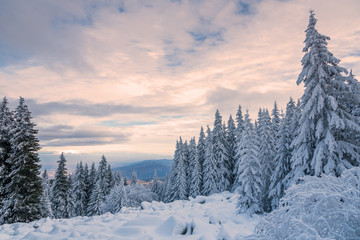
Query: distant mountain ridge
145,169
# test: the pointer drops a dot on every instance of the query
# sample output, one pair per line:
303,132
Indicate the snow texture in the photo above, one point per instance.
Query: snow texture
317,208
209,218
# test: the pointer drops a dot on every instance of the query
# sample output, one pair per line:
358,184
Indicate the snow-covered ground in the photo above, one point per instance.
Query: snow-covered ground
203,218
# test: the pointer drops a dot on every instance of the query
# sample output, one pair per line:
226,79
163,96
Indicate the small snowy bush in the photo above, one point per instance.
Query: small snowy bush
318,208
136,194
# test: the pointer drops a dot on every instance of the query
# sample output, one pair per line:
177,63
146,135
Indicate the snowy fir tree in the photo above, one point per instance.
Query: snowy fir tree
231,140
45,198
102,176
283,155
23,191
195,169
171,191
80,195
325,141
70,199
96,201
249,171
223,169
210,166
109,178
155,185
181,183
134,178
117,178
6,121
87,186
200,155
239,130
60,191
266,155
275,120
116,199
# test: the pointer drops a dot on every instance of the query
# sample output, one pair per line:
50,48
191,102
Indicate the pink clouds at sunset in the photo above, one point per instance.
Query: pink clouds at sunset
127,78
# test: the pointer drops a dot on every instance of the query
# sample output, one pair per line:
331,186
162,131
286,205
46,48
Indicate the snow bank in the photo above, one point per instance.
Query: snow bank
319,208
207,218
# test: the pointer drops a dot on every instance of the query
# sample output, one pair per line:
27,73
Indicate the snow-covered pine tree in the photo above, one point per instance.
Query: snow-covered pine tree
60,190
96,201
117,178
249,171
6,121
102,176
209,174
70,199
200,155
239,130
221,154
266,155
116,199
171,191
87,187
45,198
275,120
325,138
109,177
231,140
186,155
283,155
181,183
90,185
134,178
24,191
80,190
195,168
239,122
155,185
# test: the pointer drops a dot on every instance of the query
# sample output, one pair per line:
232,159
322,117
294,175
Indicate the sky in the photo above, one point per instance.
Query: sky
126,78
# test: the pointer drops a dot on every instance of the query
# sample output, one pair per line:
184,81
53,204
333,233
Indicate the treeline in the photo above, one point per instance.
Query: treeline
319,135
26,196
91,191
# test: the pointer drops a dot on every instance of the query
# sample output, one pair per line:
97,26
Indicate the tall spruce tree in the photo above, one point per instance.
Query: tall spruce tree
22,202
200,155
70,199
80,194
221,154
266,155
45,199
325,141
239,130
117,198
195,169
96,201
134,178
102,176
6,121
170,193
283,156
231,140
155,185
249,171
181,183
275,120
60,191
210,176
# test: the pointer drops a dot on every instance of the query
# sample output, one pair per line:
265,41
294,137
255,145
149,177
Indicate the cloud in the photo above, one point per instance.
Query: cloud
119,66
65,135
86,108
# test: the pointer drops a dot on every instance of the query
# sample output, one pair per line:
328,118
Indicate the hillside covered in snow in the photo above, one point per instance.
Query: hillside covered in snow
206,218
